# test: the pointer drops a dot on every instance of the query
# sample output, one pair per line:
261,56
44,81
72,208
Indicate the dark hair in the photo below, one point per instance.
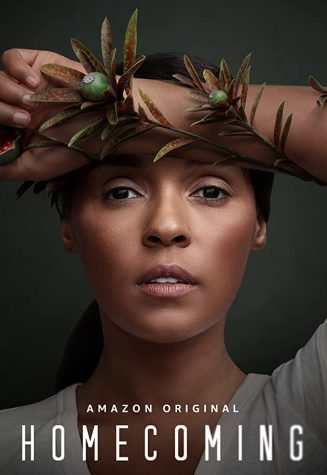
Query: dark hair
85,343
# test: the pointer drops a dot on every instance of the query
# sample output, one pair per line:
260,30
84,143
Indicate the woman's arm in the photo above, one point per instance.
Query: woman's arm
35,164
307,140
305,144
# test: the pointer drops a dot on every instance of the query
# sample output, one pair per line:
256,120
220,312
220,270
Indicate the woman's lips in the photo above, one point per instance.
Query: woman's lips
166,290
167,270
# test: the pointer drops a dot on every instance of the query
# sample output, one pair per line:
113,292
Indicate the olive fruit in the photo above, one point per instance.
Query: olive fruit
10,146
216,97
93,85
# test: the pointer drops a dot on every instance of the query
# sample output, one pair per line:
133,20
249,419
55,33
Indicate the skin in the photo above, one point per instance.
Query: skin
305,143
156,351
175,349
162,200
212,239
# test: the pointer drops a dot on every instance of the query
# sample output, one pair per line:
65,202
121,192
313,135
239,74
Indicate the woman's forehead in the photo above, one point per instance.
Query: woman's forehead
144,163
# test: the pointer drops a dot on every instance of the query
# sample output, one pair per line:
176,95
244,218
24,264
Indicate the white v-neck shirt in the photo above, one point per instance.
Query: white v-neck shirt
295,394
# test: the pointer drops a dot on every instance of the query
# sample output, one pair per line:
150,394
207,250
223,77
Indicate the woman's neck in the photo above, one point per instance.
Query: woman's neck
131,370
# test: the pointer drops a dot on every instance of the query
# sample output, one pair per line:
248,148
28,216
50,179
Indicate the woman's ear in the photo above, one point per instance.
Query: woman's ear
260,235
67,236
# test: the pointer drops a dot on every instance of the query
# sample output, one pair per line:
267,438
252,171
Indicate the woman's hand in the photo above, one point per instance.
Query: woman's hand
22,66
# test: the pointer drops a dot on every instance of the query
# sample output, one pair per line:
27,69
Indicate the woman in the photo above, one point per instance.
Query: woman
133,222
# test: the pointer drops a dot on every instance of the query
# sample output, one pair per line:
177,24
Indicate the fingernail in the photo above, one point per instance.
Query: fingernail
26,99
21,118
31,81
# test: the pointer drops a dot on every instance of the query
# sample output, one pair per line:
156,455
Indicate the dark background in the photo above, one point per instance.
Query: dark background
43,291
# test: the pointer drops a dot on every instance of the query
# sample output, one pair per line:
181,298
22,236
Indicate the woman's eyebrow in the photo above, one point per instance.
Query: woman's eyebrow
121,160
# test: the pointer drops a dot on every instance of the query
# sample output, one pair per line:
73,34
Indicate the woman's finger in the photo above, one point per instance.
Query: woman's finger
13,93
13,116
43,164
18,62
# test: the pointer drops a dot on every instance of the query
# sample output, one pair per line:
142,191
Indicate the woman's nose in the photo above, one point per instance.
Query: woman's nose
167,225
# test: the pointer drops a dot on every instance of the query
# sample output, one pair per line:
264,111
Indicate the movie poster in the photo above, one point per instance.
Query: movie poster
163,315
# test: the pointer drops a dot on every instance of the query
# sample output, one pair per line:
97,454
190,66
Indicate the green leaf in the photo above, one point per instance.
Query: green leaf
186,81
110,93
59,94
222,105
92,105
322,100
245,86
55,184
242,70
23,188
203,107
39,186
192,72
50,187
227,133
130,42
278,123
206,121
212,115
81,55
44,143
316,85
285,132
54,198
59,118
230,91
106,131
279,161
173,145
86,57
128,105
112,70
199,95
256,102
110,130
85,62
122,136
62,203
86,131
153,109
211,80
112,115
142,114
234,111
246,126
62,74
224,75
240,123
106,43
242,113
127,76
236,122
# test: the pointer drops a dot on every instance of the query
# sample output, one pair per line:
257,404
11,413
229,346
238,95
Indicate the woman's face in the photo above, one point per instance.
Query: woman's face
130,214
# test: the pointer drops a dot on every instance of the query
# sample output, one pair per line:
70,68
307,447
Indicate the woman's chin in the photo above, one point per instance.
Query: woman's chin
167,331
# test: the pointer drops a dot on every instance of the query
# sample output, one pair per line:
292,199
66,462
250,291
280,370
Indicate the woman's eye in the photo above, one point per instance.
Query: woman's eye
211,193
121,193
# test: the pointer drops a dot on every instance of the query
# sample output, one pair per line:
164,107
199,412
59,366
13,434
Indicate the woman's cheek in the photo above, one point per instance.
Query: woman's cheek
232,248
108,247
105,249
